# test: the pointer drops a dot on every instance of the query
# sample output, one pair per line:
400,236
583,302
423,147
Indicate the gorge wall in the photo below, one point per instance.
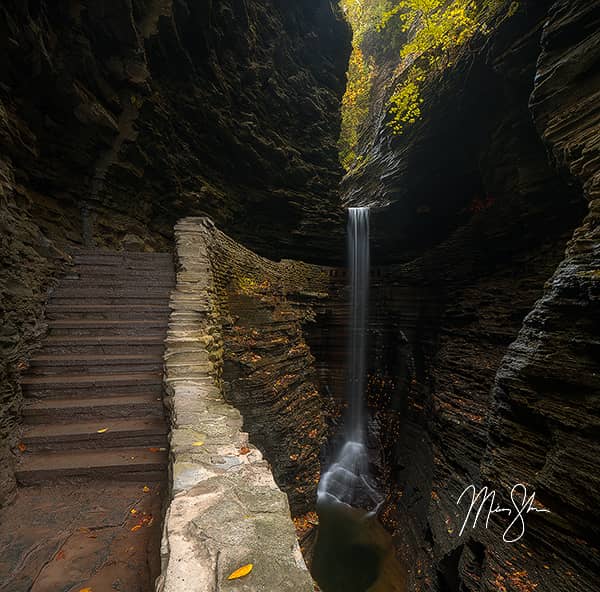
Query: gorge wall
118,118
486,233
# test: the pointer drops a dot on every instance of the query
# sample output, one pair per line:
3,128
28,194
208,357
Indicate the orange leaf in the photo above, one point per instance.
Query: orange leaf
136,527
241,572
86,590
244,450
60,555
22,447
153,449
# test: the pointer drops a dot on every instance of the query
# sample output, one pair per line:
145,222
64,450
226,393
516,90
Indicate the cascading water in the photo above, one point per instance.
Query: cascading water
353,552
347,479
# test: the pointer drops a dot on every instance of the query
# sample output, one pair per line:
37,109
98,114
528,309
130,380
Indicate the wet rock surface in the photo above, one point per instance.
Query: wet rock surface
76,535
495,243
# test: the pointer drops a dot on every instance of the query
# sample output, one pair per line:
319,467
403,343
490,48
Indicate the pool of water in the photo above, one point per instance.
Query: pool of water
354,553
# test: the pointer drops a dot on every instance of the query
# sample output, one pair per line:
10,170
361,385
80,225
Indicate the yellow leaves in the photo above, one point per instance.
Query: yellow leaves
438,29
102,430
241,572
405,103
86,590
355,103
146,520
145,489
198,443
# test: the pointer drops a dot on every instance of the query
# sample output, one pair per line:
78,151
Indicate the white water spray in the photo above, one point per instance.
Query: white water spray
347,479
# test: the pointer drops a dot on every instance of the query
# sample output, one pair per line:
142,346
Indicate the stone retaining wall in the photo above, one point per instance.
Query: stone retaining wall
225,509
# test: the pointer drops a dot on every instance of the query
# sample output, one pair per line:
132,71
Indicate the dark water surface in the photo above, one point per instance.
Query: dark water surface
354,553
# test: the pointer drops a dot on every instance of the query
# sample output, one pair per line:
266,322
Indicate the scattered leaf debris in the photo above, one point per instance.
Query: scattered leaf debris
241,572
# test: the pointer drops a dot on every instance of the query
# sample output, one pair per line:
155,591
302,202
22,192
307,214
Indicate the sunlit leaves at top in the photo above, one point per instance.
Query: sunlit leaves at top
363,16
430,34
437,30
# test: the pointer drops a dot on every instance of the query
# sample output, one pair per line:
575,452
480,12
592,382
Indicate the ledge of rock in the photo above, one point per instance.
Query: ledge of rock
226,510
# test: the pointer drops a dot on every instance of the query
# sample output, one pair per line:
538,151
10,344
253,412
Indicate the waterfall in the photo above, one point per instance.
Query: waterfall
347,480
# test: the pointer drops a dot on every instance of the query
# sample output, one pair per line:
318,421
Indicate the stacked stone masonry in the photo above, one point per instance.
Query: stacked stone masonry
226,510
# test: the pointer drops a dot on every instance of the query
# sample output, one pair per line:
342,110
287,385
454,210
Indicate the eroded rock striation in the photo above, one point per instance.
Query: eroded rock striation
485,224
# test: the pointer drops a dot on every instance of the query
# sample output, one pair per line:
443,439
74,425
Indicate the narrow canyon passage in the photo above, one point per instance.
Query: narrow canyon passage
283,284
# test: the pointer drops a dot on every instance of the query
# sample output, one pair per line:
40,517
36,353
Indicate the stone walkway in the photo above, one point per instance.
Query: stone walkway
72,536
226,510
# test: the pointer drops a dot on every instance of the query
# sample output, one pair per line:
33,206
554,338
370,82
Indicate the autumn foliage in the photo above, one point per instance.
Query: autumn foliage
433,33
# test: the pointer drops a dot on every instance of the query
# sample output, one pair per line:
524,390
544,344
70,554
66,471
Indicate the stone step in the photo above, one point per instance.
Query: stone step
117,275
83,253
62,410
74,385
136,257
125,433
140,300
77,290
108,312
94,364
151,281
143,264
151,344
113,463
100,327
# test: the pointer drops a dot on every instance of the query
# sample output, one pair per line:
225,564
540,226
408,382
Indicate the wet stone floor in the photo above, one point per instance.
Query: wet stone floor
94,536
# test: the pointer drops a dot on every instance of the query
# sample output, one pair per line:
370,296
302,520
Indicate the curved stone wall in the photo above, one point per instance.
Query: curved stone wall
226,510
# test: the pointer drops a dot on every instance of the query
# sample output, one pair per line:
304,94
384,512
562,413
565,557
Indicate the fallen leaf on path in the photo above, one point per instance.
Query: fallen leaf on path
101,431
241,572
22,447
153,449
133,511
198,443
86,590
136,527
60,555
244,450
145,489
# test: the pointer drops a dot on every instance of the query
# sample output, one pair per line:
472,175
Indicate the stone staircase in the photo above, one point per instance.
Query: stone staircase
93,392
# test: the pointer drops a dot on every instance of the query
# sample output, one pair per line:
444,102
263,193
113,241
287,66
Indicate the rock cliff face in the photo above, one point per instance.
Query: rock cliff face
118,118
485,222
266,310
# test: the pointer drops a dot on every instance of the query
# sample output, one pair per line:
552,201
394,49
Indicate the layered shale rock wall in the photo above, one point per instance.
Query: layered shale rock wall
226,510
267,310
485,224
117,118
